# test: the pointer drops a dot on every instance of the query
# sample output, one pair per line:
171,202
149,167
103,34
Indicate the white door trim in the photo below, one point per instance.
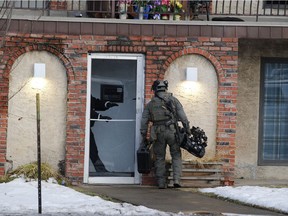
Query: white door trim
140,87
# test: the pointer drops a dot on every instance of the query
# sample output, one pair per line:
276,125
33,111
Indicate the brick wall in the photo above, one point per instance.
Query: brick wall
160,52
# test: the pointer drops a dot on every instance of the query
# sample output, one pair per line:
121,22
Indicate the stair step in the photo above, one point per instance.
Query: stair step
198,184
201,166
212,178
203,163
199,170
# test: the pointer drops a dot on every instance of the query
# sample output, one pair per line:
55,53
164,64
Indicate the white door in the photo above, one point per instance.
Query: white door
118,78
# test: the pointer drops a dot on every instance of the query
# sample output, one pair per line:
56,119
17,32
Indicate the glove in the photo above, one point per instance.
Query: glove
187,128
105,117
109,105
144,144
188,131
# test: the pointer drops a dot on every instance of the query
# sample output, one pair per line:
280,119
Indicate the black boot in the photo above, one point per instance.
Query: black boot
177,184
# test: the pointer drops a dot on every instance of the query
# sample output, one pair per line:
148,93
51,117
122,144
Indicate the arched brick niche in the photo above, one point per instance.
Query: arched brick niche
226,111
226,106
74,106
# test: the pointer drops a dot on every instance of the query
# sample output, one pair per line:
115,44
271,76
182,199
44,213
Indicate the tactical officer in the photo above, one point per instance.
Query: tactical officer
164,111
97,105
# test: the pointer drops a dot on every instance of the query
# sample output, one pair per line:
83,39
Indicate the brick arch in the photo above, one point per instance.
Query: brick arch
204,53
17,53
70,73
225,133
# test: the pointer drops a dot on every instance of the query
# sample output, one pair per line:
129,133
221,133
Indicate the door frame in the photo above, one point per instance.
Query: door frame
140,93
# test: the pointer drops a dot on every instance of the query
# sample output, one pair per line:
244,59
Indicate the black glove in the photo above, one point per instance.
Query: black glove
144,144
144,138
105,117
187,128
109,105
188,131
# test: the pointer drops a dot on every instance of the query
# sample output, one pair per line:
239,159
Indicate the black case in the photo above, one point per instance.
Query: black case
144,160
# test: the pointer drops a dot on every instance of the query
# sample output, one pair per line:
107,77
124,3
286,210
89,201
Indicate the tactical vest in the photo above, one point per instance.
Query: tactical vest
158,110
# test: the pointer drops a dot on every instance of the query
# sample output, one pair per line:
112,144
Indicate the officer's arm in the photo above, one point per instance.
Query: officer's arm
109,104
182,116
99,105
144,122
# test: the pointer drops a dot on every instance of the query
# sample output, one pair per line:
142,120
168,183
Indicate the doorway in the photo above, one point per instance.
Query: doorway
118,78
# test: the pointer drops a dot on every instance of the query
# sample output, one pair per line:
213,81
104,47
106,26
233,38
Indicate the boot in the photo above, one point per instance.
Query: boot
177,184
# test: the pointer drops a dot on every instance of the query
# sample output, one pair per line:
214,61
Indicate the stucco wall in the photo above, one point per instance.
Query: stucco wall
199,99
21,135
250,52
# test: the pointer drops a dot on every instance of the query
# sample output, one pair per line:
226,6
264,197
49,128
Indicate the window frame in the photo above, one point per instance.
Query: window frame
275,4
261,161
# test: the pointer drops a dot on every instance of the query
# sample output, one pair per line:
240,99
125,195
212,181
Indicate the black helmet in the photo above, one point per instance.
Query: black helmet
160,85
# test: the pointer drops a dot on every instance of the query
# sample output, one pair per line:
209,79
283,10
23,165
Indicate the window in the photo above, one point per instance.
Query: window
276,4
273,136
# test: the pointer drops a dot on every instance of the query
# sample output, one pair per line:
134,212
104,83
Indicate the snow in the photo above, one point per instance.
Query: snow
272,198
20,197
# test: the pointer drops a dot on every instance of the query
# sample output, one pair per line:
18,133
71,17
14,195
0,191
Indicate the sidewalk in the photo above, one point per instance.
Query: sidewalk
185,200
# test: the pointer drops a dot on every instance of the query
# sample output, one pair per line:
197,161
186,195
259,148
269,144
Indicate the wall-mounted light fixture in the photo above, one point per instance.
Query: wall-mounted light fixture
39,70
38,80
192,74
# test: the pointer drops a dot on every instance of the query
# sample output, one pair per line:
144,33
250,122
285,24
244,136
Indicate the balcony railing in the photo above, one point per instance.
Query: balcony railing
233,10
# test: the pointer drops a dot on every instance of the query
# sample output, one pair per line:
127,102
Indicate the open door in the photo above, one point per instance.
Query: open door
118,78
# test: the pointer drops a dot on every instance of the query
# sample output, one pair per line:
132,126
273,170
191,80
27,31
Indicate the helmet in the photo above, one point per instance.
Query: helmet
160,85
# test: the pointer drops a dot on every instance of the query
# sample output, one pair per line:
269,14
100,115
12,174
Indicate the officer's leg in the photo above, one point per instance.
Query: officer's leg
175,152
94,156
159,149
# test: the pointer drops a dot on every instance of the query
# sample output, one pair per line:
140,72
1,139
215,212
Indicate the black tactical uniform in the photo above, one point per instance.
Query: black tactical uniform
163,130
97,105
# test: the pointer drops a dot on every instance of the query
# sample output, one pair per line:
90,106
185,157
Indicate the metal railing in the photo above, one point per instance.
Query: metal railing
155,9
255,8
